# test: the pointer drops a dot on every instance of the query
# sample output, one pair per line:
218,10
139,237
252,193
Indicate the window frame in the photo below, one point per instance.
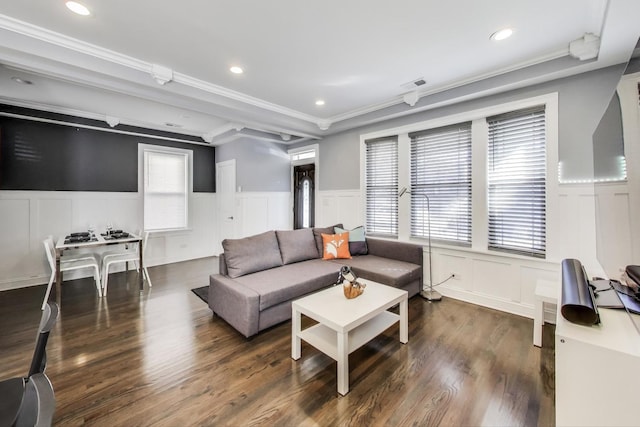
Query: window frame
188,154
479,239
506,234
393,229
438,190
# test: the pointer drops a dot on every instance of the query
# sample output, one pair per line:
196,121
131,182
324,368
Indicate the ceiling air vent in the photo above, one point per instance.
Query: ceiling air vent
413,84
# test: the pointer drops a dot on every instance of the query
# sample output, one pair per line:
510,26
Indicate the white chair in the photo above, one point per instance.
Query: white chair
124,256
75,263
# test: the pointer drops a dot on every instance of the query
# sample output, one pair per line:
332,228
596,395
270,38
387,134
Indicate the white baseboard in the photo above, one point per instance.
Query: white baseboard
524,310
23,282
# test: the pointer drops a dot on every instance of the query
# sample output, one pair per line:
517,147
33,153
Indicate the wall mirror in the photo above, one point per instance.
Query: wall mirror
616,175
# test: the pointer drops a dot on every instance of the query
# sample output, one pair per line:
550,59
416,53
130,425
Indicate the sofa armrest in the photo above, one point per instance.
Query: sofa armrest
222,265
401,251
238,305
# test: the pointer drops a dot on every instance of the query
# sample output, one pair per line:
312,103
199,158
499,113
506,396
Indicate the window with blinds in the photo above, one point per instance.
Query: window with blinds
441,171
381,182
517,184
165,189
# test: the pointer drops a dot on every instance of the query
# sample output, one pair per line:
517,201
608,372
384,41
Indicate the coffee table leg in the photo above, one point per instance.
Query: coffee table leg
404,322
343,363
295,334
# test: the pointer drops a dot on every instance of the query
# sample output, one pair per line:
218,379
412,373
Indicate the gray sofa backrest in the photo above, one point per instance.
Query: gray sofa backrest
251,254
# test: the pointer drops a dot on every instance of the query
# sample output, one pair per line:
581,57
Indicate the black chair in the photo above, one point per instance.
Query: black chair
39,360
38,403
30,401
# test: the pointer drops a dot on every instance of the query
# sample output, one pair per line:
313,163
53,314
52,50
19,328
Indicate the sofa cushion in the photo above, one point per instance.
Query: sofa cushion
335,246
290,281
357,240
383,270
317,234
251,254
296,245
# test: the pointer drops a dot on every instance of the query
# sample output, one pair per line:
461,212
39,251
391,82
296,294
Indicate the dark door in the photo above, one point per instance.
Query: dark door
303,196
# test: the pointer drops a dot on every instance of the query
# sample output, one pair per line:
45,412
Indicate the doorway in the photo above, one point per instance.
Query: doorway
304,196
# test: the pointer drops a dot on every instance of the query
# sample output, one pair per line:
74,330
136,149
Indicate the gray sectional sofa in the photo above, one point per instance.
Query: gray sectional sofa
260,275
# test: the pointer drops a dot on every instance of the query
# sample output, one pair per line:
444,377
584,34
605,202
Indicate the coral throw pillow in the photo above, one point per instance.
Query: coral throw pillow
335,246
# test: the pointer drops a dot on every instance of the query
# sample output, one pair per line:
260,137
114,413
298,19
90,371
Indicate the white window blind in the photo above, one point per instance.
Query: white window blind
517,184
381,181
441,171
165,189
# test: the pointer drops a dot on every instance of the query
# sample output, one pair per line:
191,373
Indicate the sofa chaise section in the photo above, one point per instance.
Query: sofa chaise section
393,263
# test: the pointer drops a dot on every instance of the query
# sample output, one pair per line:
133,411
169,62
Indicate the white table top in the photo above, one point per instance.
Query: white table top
333,309
99,242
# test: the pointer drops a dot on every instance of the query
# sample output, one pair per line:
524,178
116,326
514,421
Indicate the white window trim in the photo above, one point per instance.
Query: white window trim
162,149
479,225
313,147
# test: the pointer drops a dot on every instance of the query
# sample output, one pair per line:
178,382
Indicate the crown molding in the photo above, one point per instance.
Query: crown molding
100,129
92,116
47,36
227,139
220,130
323,124
238,96
450,85
337,123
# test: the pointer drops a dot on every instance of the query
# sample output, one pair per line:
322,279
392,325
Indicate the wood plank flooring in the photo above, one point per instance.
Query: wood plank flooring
160,358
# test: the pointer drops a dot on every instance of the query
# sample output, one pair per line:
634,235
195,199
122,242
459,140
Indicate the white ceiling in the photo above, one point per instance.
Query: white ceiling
358,56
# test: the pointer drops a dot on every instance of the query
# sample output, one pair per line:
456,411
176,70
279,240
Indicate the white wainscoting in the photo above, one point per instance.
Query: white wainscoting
258,212
615,232
340,206
505,282
596,227
501,282
494,280
27,217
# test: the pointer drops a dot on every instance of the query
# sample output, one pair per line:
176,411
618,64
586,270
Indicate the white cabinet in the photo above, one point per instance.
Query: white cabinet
598,371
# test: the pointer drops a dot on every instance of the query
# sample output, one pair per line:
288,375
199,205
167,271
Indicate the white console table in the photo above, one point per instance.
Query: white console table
597,371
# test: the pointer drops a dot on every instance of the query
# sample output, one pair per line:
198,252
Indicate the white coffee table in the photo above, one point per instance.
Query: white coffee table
347,324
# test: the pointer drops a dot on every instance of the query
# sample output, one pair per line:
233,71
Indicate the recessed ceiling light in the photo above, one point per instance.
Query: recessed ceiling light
236,70
78,8
319,102
21,81
505,33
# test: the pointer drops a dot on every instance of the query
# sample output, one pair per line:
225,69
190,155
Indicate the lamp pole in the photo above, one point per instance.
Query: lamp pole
429,295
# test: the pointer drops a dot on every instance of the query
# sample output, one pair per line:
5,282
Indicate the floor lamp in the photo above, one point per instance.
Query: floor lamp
430,294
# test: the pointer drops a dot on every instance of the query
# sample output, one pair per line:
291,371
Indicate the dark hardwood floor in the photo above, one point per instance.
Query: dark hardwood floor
160,358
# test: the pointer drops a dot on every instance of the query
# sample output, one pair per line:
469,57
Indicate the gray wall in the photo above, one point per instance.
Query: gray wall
633,67
608,141
582,102
260,165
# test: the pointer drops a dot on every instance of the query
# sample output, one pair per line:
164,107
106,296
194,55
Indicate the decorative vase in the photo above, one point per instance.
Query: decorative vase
353,289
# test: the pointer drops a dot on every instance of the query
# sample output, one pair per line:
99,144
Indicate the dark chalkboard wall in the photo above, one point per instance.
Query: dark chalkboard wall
53,157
